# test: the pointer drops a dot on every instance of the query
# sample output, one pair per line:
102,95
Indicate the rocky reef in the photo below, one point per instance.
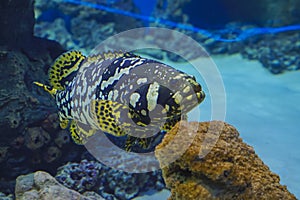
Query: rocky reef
171,10
82,28
6,197
41,185
276,52
229,170
30,138
108,182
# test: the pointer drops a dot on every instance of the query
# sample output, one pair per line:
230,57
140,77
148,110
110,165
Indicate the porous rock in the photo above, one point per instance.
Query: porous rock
36,137
28,121
6,197
171,10
230,169
108,182
41,185
81,27
25,58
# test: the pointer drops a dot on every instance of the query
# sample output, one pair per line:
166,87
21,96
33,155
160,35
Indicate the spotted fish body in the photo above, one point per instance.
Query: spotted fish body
120,94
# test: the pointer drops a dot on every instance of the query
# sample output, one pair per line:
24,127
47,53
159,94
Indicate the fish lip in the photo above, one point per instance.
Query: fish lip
202,96
197,88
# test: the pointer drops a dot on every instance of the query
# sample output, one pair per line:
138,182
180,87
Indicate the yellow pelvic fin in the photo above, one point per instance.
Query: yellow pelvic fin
47,88
80,132
65,68
63,122
142,142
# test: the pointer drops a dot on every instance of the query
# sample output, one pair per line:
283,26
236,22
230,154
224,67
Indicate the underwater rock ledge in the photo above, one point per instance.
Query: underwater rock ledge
230,170
41,185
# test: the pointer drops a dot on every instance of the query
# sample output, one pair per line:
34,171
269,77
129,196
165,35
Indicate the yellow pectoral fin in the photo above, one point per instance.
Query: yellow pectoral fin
111,116
80,132
64,124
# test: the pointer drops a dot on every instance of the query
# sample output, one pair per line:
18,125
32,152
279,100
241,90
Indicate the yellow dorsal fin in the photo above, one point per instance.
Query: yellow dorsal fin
110,55
65,68
47,88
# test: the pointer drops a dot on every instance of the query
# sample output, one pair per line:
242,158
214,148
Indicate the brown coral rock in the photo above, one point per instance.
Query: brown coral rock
216,165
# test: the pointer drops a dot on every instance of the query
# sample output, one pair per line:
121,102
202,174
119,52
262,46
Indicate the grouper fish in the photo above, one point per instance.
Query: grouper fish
121,94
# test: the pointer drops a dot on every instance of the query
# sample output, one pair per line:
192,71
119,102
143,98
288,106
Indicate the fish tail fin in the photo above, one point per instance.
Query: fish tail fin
51,90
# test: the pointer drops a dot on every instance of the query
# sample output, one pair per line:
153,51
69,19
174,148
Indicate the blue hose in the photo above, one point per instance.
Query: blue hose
216,35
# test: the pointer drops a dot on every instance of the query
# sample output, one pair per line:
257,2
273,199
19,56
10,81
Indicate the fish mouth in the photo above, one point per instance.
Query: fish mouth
200,96
197,89
191,95
195,96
